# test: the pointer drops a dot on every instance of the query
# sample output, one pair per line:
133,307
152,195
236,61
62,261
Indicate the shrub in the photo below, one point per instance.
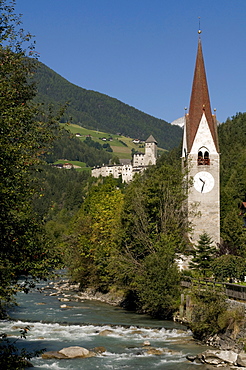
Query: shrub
231,320
209,306
229,267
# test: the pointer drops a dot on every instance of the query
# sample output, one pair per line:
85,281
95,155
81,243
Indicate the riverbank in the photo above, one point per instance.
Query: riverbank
131,340
70,292
232,337
229,347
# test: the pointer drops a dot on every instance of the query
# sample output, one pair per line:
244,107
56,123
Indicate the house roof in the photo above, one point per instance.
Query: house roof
199,103
125,161
151,139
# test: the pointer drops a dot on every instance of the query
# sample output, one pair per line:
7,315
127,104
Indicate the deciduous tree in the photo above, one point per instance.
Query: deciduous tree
94,233
23,140
153,231
229,267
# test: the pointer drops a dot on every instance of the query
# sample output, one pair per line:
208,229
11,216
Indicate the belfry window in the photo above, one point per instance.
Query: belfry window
206,159
203,158
200,158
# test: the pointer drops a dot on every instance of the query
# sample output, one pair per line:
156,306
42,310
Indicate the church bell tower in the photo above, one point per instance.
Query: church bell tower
200,156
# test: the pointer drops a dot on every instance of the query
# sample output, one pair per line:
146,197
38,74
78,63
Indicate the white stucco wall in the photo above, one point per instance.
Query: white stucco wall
204,208
140,162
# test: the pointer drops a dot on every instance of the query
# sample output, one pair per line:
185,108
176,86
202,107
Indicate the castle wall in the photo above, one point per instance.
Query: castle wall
140,162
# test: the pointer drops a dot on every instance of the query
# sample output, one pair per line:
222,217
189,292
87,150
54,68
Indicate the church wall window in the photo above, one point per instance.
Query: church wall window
203,157
200,158
206,158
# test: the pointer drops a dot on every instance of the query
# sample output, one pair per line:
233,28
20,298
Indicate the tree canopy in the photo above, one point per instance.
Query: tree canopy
24,138
128,237
232,138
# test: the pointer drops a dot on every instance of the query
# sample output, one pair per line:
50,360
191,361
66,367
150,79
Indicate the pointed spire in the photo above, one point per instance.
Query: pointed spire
151,139
199,102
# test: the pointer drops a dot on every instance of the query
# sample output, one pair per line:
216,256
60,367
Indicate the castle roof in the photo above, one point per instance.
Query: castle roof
151,139
199,103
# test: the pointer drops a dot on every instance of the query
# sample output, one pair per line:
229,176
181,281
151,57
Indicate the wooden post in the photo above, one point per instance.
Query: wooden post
181,307
188,308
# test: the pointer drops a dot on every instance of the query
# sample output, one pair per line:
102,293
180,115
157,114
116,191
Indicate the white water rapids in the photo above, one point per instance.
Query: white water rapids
84,323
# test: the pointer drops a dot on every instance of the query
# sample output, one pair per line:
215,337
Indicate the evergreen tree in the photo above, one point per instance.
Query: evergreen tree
203,255
232,137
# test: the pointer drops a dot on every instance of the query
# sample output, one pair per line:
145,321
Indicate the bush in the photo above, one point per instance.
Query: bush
209,308
157,284
229,267
232,320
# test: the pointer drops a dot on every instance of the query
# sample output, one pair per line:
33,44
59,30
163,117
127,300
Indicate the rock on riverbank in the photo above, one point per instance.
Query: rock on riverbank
221,359
69,292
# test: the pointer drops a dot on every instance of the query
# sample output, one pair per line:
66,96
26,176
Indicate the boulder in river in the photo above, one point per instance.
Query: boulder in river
52,354
68,353
65,306
105,332
99,349
75,351
154,351
161,351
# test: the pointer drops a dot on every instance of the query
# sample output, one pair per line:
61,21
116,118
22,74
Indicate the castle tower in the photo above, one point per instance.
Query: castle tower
200,156
148,158
150,151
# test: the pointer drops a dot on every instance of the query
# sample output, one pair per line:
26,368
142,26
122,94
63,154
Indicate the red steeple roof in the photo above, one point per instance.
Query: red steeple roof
199,103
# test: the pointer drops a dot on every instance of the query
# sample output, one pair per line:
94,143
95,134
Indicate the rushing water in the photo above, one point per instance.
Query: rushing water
53,328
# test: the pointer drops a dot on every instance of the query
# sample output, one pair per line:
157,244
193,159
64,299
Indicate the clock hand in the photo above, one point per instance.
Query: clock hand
201,180
202,186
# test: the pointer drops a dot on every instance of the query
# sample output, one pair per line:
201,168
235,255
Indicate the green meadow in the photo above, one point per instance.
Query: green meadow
121,145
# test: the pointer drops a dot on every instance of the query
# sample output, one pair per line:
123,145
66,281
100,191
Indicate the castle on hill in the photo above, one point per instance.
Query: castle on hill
138,164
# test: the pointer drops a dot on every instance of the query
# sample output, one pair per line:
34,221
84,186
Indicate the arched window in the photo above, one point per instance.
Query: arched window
203,157
200,158
206,158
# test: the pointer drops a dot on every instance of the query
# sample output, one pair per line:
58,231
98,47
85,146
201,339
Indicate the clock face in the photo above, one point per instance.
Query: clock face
203,182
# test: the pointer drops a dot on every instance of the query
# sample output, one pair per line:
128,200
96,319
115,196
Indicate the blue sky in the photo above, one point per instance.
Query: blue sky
143,52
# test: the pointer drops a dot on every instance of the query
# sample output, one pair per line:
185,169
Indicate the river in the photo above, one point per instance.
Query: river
53,328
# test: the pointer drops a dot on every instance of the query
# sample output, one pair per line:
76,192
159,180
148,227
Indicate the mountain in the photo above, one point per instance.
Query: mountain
93,110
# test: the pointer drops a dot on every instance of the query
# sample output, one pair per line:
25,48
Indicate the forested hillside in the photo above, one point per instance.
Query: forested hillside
94,110
232,138
67,146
